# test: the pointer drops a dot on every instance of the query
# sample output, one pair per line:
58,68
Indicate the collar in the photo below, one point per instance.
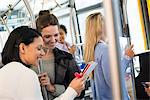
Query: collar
59,54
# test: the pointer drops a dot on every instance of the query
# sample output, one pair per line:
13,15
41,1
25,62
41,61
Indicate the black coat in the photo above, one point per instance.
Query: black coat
65,67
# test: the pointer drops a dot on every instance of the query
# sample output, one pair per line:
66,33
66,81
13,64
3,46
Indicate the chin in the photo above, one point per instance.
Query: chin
35,64
52,46
62,42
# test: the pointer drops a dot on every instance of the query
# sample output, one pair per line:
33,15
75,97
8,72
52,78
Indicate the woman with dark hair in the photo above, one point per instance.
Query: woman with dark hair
64,45
23,49
59,64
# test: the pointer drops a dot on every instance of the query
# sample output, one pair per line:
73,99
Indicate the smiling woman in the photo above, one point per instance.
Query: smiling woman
22,49
62,56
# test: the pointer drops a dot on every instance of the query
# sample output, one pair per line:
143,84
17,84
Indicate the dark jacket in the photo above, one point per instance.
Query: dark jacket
65,67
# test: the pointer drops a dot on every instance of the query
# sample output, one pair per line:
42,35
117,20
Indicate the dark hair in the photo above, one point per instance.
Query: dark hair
43,12
45,19
63,27
22,34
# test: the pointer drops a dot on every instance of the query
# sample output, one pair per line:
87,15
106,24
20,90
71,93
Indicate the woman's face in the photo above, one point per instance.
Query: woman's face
62,36
50,36
30,54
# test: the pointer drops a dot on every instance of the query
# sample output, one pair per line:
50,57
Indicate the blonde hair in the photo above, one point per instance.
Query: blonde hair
93,34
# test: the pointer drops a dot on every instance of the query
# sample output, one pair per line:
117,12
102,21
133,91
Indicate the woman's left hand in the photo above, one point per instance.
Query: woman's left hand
45,81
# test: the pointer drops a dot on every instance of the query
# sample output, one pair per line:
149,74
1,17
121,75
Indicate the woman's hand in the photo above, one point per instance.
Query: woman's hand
45,81
129,52
78,84
72,49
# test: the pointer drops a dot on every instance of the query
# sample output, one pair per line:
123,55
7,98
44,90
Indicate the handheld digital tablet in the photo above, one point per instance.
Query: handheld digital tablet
90,66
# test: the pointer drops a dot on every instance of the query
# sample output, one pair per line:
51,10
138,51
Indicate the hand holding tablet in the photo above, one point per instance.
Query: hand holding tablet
90,66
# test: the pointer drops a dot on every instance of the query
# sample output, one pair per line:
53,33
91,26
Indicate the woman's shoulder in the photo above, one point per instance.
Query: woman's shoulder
101,49
60,54
18,69
101,45
14,65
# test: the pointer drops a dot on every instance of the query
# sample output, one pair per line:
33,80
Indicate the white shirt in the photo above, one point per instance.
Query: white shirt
17,82
69,94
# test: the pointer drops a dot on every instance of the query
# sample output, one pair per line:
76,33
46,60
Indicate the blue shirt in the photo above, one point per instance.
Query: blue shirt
101,82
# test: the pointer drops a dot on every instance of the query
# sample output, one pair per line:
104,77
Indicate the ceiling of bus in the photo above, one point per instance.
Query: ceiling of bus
5,5
14,13
19,9
35,5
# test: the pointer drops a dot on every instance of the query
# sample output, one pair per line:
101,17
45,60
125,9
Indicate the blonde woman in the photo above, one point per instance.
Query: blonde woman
96,49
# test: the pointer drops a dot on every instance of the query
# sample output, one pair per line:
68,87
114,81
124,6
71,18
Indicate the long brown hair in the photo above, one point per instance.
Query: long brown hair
45,19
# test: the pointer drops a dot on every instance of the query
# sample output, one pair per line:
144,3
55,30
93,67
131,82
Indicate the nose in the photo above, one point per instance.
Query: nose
53,39
42,52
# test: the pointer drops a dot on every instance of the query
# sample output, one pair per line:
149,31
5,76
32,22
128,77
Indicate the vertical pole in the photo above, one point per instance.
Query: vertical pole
40,70
113,29
33,25
125,17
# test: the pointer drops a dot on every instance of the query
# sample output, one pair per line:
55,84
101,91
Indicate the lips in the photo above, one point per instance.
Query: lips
51,45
